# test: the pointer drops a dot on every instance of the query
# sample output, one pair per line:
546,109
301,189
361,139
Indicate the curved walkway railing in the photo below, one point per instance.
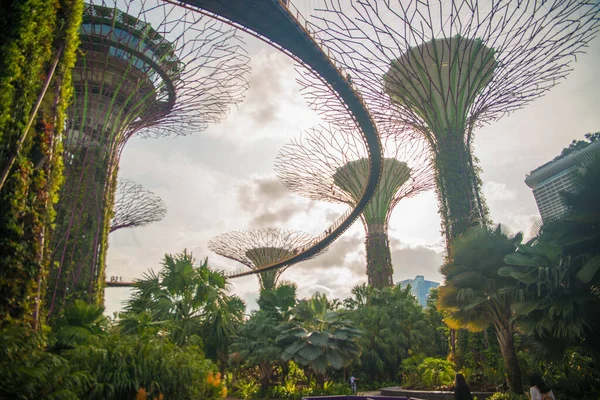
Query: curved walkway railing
280,24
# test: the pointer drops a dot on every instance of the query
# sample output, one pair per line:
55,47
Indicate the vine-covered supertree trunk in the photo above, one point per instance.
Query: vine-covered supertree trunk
37,51
330,165
458,187
379,258
148,68
351,178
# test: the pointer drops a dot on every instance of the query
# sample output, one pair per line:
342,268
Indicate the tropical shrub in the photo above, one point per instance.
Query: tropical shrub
120,365
319,338
29,372
436,372
409,371
245,388
393,326
507,396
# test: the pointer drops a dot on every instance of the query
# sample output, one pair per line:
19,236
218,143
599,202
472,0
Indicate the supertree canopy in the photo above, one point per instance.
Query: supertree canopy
135,206
260,248
442,68
331,164
146,68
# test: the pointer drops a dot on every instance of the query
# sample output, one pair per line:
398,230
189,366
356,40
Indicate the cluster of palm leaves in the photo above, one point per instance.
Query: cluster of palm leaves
184,300
548,288
558,273
394,326
310,332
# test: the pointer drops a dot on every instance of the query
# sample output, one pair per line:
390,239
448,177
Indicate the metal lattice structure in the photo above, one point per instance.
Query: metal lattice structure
330,164
445,67
259,248
146,68
135,206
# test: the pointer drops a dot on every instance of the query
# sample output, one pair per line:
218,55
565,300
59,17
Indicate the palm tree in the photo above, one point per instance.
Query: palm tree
222,318
190,300
558,272
319,338
279,302
474,294
393,324
79,323
255,345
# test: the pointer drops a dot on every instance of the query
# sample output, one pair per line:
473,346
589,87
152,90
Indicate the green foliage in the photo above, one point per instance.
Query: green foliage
245,388
574,376
461,204
32,32
435,319
436,372
296,384
577,145
507,396
393,325
279,302
557,274
410,371
319,338
121,365
30,372
185,300
475,296
79,324
256,345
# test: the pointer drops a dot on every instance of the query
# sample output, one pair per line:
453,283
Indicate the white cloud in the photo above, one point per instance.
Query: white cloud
497,191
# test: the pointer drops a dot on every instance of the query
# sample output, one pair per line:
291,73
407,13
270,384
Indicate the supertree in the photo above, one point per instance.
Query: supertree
331,164
146,68
444,68
135,206
260,248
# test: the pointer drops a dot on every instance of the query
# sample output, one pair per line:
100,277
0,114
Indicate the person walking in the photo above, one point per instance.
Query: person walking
353,380
461,389
539,390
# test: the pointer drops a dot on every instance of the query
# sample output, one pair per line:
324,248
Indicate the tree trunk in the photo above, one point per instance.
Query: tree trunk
265,376
509,353
379,258
458,187
320,380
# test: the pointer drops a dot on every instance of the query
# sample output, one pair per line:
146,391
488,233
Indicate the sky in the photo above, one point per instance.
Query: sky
222,179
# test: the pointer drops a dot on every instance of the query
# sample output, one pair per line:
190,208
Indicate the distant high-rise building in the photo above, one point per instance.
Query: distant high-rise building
556,176
420,288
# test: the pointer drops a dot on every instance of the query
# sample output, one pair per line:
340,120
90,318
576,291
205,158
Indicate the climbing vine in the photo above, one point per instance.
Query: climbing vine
461,203
35,33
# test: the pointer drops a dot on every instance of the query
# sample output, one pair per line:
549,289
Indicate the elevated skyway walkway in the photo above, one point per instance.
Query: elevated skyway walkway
279,23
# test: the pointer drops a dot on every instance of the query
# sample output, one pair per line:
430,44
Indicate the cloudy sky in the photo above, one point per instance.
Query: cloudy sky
222,179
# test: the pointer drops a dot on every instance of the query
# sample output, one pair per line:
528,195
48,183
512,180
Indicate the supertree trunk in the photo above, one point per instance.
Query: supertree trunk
328,164
148,69
458,187
379,258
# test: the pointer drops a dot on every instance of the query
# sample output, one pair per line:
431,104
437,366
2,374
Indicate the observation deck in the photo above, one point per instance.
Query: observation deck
279,23
125,81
